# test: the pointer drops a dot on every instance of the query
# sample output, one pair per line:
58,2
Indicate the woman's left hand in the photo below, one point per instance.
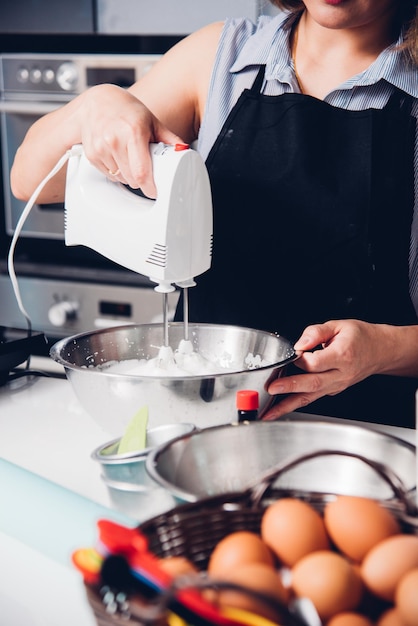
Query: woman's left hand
349,351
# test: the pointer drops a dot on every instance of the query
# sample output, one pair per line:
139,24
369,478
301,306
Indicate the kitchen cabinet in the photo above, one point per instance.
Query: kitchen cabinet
46,16
121,17
171,17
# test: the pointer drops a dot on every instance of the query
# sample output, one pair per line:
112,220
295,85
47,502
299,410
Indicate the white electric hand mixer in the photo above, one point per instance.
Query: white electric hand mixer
168,239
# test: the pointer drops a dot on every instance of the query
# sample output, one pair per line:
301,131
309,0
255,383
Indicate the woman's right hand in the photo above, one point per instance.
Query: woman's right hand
116,129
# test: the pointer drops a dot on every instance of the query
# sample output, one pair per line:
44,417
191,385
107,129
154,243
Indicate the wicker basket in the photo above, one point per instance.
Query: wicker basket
192,530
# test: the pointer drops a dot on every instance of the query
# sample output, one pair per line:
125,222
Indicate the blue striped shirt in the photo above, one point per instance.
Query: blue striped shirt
244,46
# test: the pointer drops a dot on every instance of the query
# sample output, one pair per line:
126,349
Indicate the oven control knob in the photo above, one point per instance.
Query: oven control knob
67,76
62,312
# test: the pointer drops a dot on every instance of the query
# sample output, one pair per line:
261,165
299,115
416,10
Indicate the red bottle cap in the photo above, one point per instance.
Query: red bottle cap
178,147
247,400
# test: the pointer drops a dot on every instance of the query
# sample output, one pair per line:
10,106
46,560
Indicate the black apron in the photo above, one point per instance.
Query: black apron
312,216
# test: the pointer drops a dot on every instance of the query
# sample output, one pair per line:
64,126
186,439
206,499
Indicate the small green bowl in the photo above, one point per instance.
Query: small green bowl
140,502
129,467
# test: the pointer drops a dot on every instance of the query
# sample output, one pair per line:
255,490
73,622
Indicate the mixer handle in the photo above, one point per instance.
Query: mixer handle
409,513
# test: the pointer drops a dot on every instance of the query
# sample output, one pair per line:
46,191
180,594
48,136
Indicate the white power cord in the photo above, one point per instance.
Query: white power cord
74,151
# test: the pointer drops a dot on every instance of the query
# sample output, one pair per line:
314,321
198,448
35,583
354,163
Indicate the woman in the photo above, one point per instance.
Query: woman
307,121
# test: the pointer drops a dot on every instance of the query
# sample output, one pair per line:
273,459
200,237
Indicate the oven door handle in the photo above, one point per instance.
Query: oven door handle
28,108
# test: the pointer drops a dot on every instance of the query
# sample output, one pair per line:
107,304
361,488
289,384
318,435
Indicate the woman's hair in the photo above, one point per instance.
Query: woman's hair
408,19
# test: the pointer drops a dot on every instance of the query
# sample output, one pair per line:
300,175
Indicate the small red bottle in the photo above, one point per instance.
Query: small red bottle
247,405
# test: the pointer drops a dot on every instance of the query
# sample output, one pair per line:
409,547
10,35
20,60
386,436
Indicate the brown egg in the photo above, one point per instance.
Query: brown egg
237,549
406,597
257,577
349,618
177,566
329,580
391,617
292,528
357,524
387,562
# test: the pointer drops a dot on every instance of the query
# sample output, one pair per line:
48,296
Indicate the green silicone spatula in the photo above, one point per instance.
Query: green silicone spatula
135,437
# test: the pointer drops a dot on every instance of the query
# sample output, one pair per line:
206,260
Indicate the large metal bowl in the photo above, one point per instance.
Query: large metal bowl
232,458
112,399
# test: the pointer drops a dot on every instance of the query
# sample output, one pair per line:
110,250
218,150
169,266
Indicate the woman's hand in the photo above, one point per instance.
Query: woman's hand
349,351
116,130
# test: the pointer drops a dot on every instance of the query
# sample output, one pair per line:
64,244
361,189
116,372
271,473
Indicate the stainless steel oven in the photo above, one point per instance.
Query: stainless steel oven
64,290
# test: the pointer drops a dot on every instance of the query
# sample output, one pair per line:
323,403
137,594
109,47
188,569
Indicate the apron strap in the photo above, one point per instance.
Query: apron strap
400,100
258,83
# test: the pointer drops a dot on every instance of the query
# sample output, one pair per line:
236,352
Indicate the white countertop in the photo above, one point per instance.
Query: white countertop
45,430
38,591
52,494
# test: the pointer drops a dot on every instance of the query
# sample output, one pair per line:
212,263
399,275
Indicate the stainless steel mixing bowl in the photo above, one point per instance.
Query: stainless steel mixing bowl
231,458
113,398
